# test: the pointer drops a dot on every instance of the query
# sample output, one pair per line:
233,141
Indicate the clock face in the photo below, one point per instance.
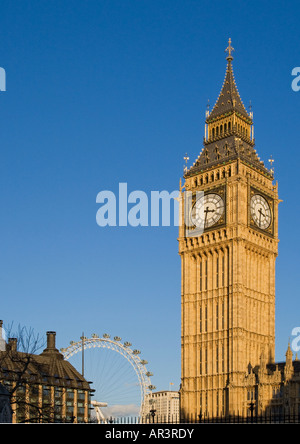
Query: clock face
260,211
207,210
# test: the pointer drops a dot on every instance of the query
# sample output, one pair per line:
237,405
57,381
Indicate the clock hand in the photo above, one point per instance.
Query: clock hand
261,214
206,211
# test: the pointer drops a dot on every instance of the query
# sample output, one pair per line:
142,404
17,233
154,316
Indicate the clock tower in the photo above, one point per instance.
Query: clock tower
228,243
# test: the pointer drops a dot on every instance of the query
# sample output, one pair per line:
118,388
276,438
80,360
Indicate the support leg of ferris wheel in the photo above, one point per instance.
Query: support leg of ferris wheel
100,417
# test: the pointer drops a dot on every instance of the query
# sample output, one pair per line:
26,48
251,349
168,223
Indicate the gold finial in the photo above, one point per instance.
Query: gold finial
250,110
229,49
207,109
186,158
271,160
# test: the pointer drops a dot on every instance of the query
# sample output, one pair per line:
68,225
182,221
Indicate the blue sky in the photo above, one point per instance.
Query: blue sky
103,92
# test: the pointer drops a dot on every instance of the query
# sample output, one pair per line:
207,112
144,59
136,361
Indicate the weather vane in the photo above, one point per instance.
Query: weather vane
229,49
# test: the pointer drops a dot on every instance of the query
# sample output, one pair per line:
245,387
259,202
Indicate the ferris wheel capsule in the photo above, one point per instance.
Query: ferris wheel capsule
117,338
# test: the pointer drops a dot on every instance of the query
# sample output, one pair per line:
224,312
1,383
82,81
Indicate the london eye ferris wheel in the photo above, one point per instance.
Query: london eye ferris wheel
118,374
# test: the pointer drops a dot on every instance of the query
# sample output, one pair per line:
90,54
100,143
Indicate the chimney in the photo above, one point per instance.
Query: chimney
12,344
51,350
51,340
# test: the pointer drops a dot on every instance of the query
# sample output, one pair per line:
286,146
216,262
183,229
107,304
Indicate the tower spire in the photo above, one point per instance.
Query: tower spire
229,99
228,131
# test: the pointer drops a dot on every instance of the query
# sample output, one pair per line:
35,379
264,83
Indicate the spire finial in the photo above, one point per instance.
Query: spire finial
207,109
186,158
229,49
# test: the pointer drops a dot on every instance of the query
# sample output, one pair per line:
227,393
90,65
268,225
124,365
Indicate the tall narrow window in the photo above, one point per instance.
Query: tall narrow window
223,315
200,319
223,363
217,316
206,278
217,273
217,359
223,271
200,361
206,318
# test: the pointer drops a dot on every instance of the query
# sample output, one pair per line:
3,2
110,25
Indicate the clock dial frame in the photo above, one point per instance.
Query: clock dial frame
261,214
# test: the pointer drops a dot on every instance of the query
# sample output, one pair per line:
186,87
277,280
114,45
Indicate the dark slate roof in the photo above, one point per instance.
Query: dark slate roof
281,366
225,150
229,98
49,367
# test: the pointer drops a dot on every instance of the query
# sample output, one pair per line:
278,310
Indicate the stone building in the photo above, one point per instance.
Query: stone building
228,243
162,406
272,389
44,388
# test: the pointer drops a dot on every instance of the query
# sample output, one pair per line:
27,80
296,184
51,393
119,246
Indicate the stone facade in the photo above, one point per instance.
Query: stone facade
164,404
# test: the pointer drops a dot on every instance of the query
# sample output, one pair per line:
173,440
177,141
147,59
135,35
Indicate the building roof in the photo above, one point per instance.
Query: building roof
49,367
281,365
225,150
